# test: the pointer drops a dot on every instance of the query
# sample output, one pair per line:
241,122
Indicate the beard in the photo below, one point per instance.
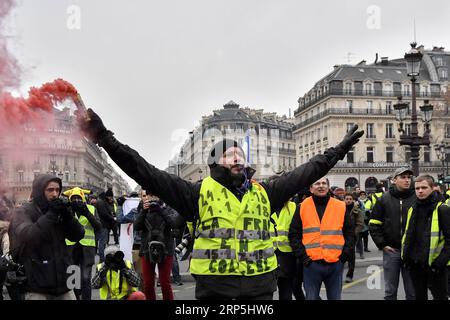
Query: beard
227,178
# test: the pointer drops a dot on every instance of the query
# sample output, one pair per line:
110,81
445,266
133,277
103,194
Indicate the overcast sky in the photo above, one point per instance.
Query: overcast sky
154,68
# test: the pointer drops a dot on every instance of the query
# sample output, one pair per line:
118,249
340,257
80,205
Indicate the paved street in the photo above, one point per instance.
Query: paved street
368,273
366,269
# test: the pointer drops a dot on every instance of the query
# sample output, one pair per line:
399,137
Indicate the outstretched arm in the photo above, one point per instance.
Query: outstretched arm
176,192
282,189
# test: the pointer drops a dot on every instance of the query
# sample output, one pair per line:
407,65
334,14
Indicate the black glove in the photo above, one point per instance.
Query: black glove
438,266
58,207
91,125
80,208
351,138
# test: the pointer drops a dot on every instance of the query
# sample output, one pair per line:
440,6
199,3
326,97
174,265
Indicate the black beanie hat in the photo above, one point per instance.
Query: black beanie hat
218,150
109,193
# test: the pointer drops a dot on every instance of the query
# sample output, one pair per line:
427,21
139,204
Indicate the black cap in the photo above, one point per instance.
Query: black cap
218,150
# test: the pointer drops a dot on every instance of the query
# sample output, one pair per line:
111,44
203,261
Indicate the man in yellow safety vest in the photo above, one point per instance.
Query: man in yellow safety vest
233,255
83,251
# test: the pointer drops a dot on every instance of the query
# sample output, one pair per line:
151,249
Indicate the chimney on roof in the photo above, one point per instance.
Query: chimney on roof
438,49
336,66
376,58
384,61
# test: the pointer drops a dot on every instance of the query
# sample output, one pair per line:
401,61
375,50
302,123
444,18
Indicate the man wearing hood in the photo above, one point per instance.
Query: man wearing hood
38,231
426,242
233,255
387,226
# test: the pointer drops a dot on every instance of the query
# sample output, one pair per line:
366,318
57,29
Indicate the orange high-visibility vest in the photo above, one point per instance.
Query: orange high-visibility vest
323,239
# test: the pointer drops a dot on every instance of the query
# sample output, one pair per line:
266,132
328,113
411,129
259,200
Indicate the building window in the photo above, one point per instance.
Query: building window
370,156
406,90
447,131
389,154
407,154
318,134
67,176
389,130
443,73
388,107
369,104
349,104
325,132
426,154
388,89
370,133
351,155
424,90
438,61
408,129
20,176
367,88
348,88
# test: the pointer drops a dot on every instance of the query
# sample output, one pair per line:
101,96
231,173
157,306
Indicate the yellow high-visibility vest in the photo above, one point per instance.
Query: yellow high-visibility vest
111,288
283,222
89,234
436,237
233,237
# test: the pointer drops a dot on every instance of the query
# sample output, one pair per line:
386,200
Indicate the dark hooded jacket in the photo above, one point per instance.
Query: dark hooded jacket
156,224
417,238
388,218
38,234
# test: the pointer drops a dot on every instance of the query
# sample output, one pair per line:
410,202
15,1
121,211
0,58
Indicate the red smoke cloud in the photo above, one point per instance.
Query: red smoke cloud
10,71
15,112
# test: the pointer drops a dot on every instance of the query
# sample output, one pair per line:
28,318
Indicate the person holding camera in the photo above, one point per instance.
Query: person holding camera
116,278
156,221
37,233
83,251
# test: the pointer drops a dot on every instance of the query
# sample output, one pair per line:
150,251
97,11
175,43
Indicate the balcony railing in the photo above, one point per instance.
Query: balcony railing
366,93
383,164
357,112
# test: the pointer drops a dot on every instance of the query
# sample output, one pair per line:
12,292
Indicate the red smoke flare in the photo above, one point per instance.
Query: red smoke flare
17,111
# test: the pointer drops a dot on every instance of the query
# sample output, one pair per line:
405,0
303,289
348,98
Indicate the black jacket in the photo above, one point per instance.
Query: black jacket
38,236
417,239
161,218
183,195
105,213
391,210
295,234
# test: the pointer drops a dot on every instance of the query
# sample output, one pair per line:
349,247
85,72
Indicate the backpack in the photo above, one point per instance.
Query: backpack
157,250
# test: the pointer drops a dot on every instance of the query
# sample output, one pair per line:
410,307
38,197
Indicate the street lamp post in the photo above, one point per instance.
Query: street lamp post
442,150
413,140
359,171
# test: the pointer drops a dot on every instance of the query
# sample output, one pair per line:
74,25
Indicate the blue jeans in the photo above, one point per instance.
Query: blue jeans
176,269
392,268
328,273
103,237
